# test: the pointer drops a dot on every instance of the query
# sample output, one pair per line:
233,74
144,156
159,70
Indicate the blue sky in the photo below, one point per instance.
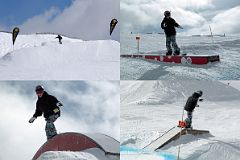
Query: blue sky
73,18
15,12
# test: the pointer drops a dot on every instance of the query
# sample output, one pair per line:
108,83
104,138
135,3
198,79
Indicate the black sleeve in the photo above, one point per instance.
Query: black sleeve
38,112
162,24
176,24
54,100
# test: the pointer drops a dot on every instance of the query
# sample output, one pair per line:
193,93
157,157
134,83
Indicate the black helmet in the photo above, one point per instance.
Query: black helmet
167,13
199,93
39,88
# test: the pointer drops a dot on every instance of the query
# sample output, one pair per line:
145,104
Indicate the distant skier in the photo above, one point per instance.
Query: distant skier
47,105
169,24
190,106
59,39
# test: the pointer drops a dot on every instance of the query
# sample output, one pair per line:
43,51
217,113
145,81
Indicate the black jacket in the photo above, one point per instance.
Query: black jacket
169,24
59,37
45,105
192,102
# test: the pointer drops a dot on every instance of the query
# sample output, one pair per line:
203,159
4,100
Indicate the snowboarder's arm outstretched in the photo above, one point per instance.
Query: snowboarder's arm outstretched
177,25
37,113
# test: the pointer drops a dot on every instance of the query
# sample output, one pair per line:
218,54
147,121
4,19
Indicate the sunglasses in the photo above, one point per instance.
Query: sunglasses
39,92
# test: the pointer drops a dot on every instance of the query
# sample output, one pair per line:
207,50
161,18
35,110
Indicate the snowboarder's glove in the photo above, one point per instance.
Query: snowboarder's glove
31,120
59,104
197,105
180,27
56,110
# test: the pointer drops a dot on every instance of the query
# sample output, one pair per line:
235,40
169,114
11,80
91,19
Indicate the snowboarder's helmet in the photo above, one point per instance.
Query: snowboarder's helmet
199,93
39,88
167,13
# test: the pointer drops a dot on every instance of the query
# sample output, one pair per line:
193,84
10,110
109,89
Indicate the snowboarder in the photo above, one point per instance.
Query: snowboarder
59,39
169,24
190,106
49,106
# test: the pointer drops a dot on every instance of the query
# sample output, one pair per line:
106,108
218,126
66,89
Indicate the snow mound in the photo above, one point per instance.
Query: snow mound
42,57
218,150
203,148
89,154
171,91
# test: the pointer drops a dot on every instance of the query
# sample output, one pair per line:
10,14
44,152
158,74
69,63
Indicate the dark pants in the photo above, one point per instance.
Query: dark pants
50,127
171,42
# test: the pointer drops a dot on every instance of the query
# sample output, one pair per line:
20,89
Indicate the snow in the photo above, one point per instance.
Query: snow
227,47
89,154
108,144
40,56
150,108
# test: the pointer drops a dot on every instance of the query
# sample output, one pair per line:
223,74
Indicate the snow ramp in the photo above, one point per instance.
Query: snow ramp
78,142
171,135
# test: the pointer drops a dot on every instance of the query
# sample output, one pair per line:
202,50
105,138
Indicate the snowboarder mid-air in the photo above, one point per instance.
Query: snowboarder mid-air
169,24
190,106
59,39
47,105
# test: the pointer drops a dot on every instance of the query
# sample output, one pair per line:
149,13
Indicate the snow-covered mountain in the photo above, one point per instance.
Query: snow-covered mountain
150,108
40,56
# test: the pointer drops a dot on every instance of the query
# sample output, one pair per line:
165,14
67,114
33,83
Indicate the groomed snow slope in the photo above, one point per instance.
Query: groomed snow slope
40,56
89,154
150,108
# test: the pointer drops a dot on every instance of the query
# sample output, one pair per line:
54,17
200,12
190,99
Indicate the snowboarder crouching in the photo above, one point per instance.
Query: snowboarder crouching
47,105
190,106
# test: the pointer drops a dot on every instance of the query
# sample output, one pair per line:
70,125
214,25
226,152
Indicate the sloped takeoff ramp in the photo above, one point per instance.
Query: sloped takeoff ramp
71,141
171,135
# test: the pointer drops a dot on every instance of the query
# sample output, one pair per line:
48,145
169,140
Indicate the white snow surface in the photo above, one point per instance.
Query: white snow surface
150,108
89,154
226,47
40,56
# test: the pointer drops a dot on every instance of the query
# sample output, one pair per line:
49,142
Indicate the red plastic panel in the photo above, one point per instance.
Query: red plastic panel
199,60
67,142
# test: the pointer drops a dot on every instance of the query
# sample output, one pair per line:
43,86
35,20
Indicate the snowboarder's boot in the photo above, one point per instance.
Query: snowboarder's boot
189,127
188,123
169,53
177,53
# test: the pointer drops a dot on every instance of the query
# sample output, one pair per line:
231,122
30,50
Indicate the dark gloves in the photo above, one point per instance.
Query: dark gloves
180,27
59,104
31,120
